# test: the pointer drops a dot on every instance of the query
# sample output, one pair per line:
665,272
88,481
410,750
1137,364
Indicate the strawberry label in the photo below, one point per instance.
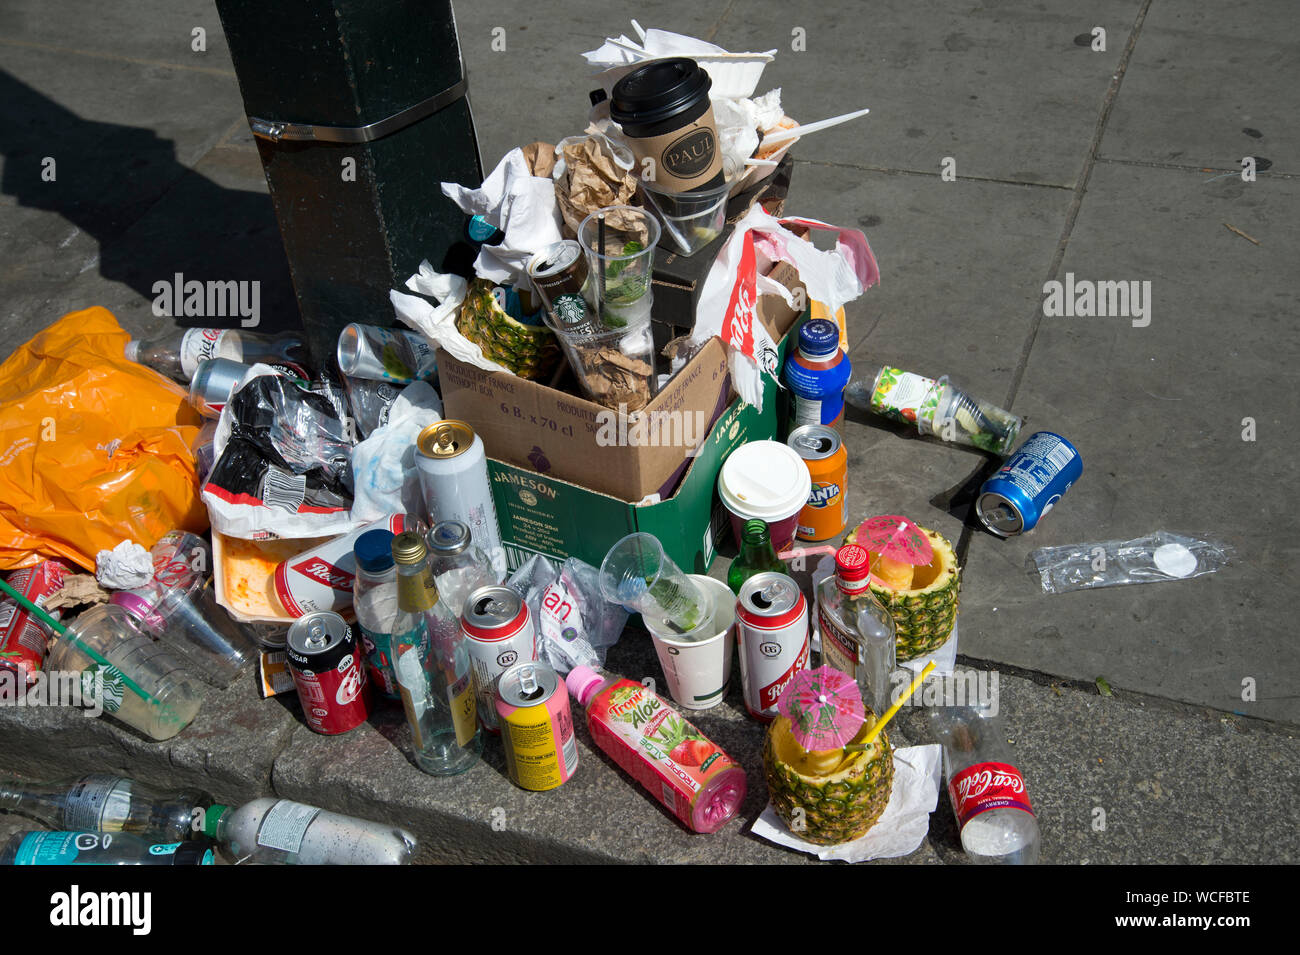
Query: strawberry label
986,786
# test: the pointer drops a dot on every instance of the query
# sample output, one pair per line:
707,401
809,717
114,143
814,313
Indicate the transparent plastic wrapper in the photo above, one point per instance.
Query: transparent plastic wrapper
1144,560
577,624
283,462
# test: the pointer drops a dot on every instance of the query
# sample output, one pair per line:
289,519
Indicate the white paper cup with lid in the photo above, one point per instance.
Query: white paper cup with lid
766,481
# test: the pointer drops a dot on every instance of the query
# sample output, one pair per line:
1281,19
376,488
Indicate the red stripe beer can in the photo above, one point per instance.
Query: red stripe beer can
499,632
321,579
771,639
329,672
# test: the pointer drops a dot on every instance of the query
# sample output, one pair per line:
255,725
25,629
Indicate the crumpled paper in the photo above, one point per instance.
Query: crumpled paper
522,206
738,122
900,830
126,566
384,471
438,323
590,177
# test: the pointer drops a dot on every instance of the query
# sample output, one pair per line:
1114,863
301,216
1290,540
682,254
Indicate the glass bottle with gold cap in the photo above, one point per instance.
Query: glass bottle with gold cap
434,675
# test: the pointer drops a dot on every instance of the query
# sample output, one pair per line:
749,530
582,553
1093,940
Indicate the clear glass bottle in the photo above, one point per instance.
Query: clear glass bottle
857,632
459,567
101,848
178,352
988,792
374,599
105,803
435,676
756,555
271,831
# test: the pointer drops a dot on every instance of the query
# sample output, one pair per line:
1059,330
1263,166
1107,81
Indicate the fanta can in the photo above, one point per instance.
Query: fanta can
822,449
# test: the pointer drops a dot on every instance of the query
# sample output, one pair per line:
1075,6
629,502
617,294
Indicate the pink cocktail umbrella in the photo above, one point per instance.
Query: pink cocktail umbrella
897,538
824,707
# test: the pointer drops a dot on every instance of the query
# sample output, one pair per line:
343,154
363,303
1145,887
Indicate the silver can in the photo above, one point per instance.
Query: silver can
771,638
454,479
499,632
385,354
212,384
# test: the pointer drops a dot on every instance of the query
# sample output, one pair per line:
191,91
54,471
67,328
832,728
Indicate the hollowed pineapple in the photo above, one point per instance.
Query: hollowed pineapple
828,796
925,608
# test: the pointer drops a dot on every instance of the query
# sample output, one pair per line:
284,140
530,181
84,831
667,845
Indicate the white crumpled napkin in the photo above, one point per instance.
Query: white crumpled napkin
898,832
438,324
522,206
126,566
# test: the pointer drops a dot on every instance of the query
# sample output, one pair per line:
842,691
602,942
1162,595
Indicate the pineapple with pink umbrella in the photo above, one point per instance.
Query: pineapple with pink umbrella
827,759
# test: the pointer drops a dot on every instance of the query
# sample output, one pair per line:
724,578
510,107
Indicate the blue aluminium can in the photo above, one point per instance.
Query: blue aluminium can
1024,489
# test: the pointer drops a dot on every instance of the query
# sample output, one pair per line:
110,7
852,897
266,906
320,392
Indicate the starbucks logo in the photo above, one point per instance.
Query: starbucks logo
570,310
103,685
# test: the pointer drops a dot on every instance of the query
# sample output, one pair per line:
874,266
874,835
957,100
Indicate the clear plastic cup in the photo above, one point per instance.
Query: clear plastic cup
136,678
691,220
620,267
639,575
614,367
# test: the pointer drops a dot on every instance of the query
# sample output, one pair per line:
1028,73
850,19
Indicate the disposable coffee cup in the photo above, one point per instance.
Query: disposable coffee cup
766,481
133,677
664,111
697,665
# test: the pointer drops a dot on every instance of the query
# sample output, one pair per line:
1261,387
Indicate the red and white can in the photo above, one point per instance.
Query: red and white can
24,641
771,639
499,632
321,578
329,671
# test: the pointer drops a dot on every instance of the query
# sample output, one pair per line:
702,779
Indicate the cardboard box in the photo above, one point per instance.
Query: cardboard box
544,515
560,435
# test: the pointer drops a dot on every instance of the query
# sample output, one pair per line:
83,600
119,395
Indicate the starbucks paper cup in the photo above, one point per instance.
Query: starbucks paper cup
697,665
767,481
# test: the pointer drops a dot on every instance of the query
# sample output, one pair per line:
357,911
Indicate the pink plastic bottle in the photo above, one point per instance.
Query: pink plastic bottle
665,753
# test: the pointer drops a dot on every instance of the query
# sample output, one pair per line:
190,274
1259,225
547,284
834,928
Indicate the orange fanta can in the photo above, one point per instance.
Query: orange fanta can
825,515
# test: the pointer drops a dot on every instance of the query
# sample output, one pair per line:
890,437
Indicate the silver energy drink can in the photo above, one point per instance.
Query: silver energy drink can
385,354
499,632
454,478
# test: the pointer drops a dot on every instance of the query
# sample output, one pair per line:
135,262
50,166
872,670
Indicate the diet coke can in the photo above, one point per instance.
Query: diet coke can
499,633
771,639
321,578
328,671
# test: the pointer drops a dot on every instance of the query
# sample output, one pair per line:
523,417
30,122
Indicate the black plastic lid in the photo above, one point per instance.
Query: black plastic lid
195,852
659,90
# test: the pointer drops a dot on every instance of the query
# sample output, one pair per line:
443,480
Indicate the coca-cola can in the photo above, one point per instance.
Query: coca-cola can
179,557
24,640
499,632
327,668
321,578
771,639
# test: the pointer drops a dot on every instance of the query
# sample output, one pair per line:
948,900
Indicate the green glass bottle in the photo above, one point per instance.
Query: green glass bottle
756,555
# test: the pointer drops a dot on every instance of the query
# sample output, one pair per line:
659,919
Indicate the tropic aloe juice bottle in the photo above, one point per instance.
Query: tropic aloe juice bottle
639,730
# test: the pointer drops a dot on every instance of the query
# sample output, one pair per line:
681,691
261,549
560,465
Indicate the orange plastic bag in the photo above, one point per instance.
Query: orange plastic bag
94,449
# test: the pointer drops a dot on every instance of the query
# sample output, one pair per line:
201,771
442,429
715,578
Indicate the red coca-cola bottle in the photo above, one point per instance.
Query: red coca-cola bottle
987,790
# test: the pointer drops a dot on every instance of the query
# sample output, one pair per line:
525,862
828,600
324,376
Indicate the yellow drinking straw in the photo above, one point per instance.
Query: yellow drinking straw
889,713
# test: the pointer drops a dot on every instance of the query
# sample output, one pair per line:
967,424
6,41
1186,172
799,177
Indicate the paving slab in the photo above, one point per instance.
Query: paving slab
1158,415
1204,89
1003,89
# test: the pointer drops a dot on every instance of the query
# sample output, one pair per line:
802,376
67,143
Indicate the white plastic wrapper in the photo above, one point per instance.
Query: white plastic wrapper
1144,560
522,206
385,477
438,323
575,624
126,566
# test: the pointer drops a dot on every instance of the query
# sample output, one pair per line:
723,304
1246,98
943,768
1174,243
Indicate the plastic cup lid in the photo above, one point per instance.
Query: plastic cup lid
765,480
